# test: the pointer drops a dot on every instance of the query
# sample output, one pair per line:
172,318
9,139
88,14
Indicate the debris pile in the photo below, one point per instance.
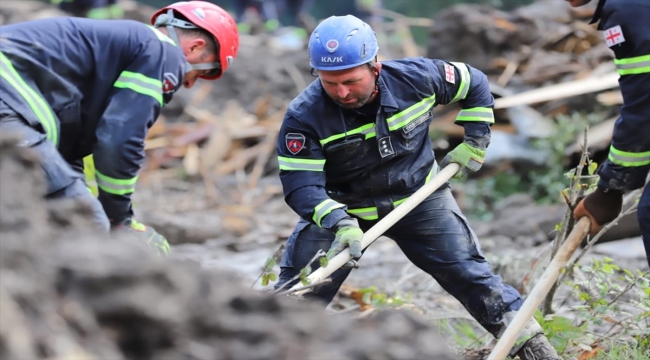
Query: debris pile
544,61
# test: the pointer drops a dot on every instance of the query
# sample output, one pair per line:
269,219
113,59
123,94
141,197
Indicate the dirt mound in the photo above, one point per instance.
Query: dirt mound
66,293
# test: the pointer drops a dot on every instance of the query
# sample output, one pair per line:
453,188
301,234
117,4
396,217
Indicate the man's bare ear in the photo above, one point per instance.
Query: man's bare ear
378,65
198,44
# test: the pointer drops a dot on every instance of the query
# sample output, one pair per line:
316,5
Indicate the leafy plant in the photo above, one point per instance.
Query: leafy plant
624,351
611,303
379,299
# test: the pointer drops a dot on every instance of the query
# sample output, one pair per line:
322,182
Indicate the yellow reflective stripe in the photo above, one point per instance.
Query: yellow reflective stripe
323,209
476,114
629,159
411,113
140,84
136,225
162,37
89,174
463,87
371,213
294,164
434,170
368,130
115,186
634,65
36,103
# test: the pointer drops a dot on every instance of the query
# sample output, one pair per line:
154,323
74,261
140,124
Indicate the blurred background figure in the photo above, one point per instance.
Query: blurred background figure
296,13
94,9
367,11
254,16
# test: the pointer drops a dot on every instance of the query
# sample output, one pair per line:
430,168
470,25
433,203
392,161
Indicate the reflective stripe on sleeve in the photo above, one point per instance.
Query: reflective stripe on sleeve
296,164
115,186
633,66
140,84
323,209
476,114
629,159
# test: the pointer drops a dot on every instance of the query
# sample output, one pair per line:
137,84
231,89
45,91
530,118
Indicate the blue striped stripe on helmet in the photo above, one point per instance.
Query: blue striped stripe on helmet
341,42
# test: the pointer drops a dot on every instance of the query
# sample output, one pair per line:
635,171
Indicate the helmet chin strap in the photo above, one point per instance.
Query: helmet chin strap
170,22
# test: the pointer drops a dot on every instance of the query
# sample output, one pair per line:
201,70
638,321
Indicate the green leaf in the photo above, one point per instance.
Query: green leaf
593,166
628,272
265,280
608,268
270,263
272,276
323,261
367,297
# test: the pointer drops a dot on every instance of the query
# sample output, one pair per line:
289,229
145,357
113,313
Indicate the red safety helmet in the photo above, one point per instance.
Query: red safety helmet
209,17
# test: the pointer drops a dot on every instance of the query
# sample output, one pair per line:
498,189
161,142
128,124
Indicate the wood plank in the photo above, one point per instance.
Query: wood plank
559,91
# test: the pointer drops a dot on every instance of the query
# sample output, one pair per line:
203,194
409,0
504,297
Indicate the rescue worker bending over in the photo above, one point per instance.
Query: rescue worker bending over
73,87
354,145
626,25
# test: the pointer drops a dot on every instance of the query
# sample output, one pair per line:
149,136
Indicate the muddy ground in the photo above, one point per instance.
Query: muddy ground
68,294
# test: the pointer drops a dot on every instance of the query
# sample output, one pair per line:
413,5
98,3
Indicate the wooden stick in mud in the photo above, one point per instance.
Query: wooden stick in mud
540,290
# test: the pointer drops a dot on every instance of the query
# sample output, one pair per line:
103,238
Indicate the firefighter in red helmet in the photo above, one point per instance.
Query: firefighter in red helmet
100,87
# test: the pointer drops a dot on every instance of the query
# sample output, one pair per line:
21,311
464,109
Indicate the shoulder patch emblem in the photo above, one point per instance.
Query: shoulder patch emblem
294,142
450,74
614,35
170,81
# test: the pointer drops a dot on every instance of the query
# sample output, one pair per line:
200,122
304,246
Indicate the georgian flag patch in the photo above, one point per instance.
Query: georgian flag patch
614,35
294,142
170,81
450,74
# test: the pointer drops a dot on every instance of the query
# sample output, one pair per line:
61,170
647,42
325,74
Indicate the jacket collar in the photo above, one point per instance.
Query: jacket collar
386,98
599,11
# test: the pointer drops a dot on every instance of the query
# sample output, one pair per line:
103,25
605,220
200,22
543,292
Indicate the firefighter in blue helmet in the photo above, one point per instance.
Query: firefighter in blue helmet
73,87
354,145
626,28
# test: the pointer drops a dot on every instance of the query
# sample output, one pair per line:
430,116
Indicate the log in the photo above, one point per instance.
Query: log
559,91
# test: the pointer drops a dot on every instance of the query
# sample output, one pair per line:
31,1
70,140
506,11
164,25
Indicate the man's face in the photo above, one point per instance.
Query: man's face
350,88
196,53
576,3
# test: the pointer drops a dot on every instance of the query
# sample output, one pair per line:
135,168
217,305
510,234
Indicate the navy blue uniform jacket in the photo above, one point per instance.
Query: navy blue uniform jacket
94,87
335,163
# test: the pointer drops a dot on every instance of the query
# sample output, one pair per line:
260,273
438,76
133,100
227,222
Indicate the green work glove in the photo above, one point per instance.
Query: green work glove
145,234
470,159
348,234
601,206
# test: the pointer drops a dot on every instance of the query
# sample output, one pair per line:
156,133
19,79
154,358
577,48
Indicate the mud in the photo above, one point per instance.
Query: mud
67,293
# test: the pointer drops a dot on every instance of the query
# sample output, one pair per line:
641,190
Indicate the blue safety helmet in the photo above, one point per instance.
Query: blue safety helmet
341,42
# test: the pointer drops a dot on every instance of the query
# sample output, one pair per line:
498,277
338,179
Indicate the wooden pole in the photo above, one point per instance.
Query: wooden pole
540,290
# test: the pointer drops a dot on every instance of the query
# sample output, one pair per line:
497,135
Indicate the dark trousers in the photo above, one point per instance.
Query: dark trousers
436,237
643,213
62,180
